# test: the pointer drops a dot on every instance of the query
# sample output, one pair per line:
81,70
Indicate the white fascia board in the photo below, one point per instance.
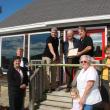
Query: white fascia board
44,24
82,19
28,26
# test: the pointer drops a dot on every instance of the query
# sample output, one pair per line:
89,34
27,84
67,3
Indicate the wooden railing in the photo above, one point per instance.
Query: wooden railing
36,85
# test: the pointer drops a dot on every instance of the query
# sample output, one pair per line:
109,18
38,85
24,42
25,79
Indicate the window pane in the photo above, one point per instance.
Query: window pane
97,40
37,45
9,46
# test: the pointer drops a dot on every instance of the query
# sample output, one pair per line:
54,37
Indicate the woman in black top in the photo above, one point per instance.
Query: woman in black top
17,82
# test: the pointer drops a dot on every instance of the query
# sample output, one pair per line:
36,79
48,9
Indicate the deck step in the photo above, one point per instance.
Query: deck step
46,107
57,100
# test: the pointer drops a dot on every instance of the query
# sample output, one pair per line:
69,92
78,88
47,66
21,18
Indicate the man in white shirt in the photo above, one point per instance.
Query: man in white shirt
71,43
24,60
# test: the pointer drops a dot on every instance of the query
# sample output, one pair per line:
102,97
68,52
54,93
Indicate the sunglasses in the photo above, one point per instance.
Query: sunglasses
83,61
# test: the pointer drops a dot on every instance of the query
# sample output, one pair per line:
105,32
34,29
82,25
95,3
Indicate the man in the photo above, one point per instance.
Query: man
71,43
51,56
24,60
87,42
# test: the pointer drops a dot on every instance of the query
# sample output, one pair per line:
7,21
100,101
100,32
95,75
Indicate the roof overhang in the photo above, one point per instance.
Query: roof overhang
66,22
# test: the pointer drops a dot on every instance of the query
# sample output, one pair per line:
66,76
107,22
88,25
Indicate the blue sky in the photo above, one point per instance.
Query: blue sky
11,6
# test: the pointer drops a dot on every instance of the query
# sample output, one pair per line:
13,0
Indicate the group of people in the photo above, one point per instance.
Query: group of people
84,46
78,51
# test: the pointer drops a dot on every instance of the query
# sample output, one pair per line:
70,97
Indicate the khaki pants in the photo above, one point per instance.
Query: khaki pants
49,75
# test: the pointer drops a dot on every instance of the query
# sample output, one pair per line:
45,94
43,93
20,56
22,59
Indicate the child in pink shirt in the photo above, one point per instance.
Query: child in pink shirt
75,98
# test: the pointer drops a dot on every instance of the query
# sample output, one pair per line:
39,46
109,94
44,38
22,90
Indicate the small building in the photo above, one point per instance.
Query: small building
29,27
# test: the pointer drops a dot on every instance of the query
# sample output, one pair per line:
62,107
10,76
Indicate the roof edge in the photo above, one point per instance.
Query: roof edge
62,21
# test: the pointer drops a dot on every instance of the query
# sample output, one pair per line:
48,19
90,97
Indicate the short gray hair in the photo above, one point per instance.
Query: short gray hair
54,29
89,58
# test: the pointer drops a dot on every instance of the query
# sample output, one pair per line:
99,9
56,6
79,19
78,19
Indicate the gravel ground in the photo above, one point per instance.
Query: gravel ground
4,97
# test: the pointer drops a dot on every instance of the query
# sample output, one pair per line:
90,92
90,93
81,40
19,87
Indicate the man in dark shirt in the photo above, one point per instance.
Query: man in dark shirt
50,56
87,43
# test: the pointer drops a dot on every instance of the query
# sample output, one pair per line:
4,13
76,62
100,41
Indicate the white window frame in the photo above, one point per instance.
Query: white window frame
10,37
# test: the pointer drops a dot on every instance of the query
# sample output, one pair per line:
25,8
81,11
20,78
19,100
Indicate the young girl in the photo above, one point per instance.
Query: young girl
75,97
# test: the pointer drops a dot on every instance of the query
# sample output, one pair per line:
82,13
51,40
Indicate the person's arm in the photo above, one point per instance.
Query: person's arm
85,50
52,50
107,65
25,79
89,46
87,90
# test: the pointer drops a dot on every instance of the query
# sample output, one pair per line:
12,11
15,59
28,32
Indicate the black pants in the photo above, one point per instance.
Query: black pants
105,91
69,72
16,102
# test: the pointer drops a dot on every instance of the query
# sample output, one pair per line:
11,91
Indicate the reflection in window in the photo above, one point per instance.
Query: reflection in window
9,46
97,40
37,45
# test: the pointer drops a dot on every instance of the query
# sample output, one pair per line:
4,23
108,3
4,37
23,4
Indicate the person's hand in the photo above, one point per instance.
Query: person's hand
23,86
79,54
108,65
54,57
81,107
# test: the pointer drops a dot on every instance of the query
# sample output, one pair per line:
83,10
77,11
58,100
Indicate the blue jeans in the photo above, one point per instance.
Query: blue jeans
88,107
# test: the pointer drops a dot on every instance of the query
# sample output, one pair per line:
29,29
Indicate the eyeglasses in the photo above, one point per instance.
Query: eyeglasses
83,61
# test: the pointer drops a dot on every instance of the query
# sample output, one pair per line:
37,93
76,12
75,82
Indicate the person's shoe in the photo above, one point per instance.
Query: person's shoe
53,89
50,90
58,89
67,90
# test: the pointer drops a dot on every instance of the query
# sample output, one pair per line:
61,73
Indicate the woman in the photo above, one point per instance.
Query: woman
17,82
87,84
106,79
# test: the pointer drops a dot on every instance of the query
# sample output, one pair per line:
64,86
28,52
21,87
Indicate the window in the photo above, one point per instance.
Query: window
8,49
98,36
37,45
97,40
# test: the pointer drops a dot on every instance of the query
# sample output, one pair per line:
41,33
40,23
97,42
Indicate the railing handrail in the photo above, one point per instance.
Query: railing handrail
76,65
34,74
